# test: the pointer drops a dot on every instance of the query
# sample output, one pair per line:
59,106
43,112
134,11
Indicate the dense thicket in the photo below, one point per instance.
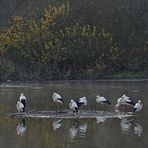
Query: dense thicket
42,39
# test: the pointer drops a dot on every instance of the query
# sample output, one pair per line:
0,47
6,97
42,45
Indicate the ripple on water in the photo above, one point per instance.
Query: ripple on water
130,125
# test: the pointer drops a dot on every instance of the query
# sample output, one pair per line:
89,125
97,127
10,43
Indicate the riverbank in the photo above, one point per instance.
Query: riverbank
37,82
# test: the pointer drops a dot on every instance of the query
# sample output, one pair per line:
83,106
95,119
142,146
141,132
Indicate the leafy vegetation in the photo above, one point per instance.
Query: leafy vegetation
59,45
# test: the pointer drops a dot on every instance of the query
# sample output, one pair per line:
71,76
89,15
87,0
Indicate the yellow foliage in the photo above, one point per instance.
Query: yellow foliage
17,18
51,13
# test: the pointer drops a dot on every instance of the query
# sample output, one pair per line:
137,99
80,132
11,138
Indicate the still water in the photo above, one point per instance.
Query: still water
16,132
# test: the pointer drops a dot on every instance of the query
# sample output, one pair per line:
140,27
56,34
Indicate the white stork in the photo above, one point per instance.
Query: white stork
73,106
81,101
20,106
57,98
102,100
23,101
138,106
124,100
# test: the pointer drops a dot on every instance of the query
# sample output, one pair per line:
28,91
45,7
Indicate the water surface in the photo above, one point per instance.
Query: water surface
73,133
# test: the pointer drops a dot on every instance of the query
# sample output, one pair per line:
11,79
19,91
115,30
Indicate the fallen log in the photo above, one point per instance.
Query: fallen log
67,114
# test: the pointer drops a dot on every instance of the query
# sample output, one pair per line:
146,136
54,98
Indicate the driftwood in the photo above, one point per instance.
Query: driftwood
66,114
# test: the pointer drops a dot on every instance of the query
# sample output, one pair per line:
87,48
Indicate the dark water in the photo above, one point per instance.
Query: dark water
73,133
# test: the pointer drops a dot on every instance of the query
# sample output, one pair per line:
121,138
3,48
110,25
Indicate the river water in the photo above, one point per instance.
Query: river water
16,132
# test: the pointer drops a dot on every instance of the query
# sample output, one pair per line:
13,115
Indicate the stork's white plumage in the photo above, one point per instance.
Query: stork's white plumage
138,106
22,97
125,97
124,100
120,101
19,106
127,100
57,98
102,100
23,101
73,106
81,101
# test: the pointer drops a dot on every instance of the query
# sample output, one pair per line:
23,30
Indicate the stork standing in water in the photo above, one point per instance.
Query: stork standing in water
102,100
127,100
124,101
57,98
73,106
138,106
20,106
81,101
23,101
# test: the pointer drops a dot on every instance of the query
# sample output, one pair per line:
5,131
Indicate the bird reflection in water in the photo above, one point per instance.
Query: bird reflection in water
57,124
73,130
138,129
126,124
100,119
77,129
82,129
21,128
131,125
